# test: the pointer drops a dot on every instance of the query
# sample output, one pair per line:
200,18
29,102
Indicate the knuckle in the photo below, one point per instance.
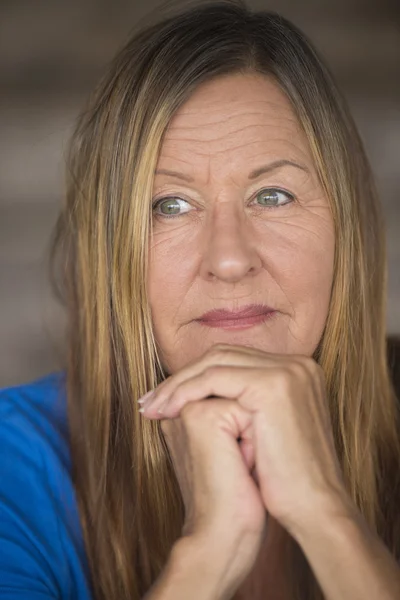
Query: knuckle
166,427
300,369
200,411
284,380
287,377
315,367
212,370
190,412
219,350
178,394
309,365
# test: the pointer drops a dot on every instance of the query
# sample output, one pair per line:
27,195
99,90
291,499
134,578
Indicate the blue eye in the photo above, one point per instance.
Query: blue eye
272,198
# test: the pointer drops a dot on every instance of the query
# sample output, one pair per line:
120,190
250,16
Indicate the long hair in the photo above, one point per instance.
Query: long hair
129,500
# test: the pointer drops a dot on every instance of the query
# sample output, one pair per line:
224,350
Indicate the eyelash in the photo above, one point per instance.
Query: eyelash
272,189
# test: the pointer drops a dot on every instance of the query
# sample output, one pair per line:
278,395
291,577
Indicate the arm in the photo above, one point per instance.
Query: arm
194,570
348,560
29,541
41,551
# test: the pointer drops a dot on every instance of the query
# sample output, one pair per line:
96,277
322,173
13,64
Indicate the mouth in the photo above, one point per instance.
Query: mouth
243,319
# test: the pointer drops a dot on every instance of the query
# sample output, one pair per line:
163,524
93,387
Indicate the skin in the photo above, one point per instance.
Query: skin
224,248
244,413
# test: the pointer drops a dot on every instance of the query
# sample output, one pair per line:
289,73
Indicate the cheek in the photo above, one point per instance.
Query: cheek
168,284
302,251
308,271
303,270
297,273
169,274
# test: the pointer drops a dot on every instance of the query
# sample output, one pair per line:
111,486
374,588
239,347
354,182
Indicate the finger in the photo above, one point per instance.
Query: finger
220,381
219,354
254,474
247,449
170,428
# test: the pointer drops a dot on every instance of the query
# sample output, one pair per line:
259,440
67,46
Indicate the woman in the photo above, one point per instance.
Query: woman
221,248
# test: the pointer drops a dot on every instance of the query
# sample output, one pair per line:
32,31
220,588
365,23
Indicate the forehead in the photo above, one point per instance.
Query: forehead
232,111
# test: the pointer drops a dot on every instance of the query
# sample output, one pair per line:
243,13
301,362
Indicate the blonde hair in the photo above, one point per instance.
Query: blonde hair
130,505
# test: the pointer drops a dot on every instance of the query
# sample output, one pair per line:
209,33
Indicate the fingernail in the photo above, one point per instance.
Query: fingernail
146,397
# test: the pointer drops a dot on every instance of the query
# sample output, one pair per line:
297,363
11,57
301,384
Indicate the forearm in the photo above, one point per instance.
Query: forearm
349,561
192,571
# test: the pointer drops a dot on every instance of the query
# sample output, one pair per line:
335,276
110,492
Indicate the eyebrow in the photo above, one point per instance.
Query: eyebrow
277,164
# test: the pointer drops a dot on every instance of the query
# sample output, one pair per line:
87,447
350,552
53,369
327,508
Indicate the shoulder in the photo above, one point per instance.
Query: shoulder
42,549
36,411
34,432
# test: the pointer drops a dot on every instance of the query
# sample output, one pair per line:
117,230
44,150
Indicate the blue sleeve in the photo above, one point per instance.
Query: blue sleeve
29,537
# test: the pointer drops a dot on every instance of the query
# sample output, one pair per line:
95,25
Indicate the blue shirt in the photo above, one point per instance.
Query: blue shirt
42,554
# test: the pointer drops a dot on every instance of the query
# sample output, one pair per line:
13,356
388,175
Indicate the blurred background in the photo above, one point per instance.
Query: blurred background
51,55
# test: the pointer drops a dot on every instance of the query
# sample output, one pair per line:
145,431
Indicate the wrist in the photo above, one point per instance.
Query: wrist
203,565
327,514
348,559
332,513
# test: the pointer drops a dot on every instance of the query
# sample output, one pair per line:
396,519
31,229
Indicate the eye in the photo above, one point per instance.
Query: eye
271,198
172,206
274,197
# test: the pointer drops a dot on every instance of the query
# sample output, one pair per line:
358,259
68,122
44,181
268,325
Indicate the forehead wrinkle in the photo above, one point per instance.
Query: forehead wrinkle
200,126
271,122
281,141
172,136
230,131
226,137
227,115
203,179
233,107
166,155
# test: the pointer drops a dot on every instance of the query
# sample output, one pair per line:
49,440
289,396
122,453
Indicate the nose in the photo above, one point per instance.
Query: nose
229,252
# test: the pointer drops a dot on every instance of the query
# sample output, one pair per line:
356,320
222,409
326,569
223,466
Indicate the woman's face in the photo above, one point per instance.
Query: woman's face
224,247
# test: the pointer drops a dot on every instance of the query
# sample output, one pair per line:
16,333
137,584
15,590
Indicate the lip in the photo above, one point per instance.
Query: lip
250,310
245,317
